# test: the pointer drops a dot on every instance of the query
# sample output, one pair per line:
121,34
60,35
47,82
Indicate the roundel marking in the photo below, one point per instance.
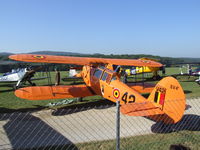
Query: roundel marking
116,93
39,56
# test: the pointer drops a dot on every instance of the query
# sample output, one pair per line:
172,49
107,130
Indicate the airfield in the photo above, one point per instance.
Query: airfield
62,127
41,126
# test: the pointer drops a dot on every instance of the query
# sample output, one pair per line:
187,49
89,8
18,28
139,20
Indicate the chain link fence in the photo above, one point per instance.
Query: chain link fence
88,127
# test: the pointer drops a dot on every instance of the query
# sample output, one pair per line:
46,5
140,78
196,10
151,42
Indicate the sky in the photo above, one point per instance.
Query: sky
157,27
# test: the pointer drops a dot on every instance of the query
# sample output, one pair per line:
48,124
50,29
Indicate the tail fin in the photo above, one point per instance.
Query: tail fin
166,103
168,95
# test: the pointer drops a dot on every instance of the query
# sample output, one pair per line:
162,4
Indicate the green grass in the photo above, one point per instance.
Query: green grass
145,142
190,87
9,102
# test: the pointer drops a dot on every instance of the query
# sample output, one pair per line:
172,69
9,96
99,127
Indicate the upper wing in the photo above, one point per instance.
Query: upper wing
83,60
144,58
53,92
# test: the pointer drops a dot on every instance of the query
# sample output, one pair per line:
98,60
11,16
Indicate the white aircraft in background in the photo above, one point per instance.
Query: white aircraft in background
73,74
20,75
189,72
198,81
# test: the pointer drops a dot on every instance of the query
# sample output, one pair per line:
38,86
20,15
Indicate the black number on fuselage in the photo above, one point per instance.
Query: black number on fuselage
130,98
124,97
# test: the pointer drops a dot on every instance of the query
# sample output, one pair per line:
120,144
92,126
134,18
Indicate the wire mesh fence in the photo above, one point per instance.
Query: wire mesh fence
94,127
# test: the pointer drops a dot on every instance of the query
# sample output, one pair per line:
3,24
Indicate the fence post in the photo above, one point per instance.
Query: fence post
117,125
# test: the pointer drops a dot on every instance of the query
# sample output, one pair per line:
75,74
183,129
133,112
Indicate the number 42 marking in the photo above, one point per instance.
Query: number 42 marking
128,98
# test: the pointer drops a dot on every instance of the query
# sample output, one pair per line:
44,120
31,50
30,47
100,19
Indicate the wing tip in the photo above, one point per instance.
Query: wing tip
12,56
22,93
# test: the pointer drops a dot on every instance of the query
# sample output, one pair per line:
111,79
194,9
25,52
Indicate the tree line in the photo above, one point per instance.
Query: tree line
6,64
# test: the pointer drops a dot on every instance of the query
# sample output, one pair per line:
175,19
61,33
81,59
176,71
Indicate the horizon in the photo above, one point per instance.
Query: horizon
92,53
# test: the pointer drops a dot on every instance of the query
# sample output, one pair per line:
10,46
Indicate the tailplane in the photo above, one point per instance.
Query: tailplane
166,103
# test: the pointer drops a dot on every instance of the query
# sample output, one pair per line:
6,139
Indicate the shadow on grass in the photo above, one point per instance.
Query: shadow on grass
188,122
66,109
100,104
4,91
7,110
187,92
7,85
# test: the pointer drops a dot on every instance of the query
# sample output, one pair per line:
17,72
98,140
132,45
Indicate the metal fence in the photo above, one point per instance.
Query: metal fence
94,127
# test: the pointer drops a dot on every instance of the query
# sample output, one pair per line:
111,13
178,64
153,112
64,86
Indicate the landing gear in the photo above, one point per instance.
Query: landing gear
15,87
79,99
157,77
33,84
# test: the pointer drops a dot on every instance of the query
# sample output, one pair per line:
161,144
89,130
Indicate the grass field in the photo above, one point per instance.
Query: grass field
149,142
190,87
9,102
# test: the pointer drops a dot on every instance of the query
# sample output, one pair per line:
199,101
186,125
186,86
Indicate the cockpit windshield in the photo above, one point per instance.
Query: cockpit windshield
98,73
104,76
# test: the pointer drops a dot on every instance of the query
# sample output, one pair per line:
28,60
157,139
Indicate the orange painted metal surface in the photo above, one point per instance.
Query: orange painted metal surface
53,92
171,103
83,60
142,87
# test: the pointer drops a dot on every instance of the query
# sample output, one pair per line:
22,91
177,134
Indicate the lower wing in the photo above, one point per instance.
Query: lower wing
53,92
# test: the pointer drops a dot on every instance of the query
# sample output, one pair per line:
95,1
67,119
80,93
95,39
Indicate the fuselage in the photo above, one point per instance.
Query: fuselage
106,82
13,76
142,69
196,72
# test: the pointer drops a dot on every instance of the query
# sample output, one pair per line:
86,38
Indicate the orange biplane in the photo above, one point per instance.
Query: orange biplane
102,77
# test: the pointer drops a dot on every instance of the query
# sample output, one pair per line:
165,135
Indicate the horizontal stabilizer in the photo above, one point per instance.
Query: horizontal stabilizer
140,109
142,87
53,92
165,103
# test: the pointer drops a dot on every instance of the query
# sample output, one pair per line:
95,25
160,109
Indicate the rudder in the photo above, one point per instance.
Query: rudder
168,95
